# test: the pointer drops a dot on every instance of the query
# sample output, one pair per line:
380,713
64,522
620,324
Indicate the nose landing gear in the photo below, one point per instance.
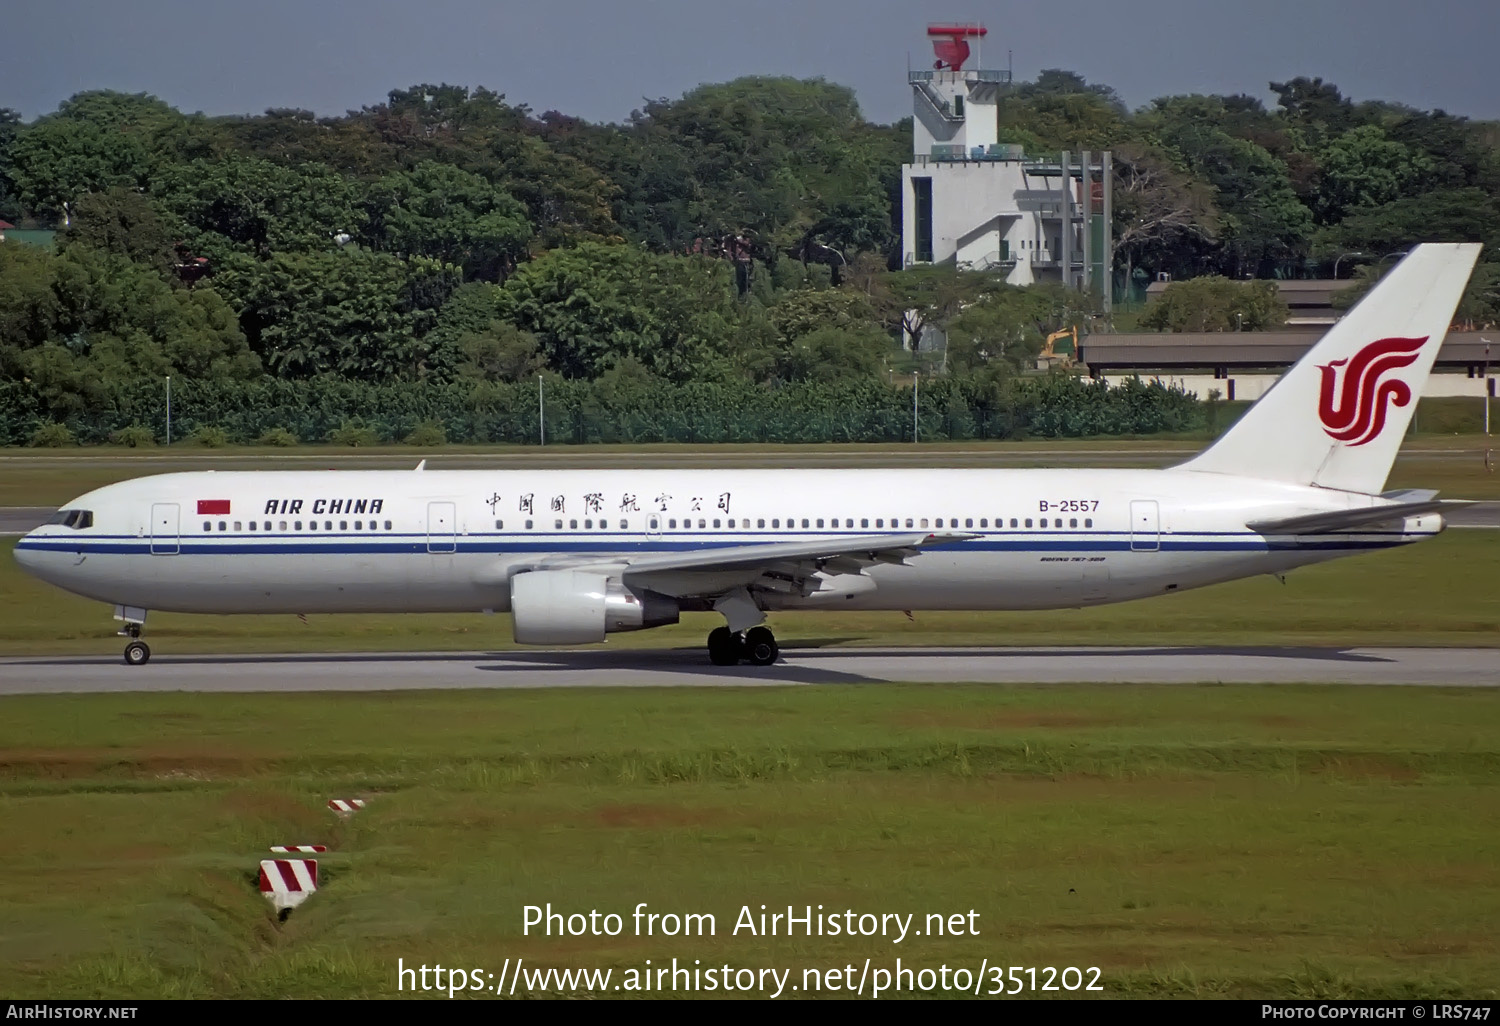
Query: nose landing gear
137,652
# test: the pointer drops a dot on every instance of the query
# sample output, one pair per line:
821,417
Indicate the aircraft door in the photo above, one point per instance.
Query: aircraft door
1145,526
165,537
442,527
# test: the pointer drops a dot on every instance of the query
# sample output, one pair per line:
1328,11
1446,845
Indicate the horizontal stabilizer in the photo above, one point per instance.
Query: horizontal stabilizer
1339,520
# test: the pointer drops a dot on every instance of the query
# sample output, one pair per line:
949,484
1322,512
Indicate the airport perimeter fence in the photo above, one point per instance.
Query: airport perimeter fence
576,412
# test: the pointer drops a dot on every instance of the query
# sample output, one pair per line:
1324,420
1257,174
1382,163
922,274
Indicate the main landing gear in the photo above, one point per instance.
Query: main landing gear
756,646
137,652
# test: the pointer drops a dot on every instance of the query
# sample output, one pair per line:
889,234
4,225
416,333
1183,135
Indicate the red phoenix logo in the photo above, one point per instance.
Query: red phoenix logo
1353,411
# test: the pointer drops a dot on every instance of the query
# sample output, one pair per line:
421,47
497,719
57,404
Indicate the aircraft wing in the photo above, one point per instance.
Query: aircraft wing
1338,520
718,568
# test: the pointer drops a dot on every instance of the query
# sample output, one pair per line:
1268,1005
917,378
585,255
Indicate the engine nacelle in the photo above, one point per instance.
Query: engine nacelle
573,607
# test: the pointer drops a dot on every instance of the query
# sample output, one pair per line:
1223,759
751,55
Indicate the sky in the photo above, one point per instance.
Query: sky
600,59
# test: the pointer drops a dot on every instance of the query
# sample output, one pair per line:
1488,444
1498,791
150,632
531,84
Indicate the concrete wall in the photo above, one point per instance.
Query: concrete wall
979,205
1249,387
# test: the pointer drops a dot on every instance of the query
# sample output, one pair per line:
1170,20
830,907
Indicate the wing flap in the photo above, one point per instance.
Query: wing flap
856,551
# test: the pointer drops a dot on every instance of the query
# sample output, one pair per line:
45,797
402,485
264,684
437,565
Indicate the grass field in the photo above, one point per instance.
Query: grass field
1439,592
1188,841
50,477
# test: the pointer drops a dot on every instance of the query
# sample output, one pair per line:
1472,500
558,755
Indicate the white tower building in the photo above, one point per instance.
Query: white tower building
985,205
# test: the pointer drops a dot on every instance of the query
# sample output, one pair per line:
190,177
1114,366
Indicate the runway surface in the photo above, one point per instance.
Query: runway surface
21,519
413,672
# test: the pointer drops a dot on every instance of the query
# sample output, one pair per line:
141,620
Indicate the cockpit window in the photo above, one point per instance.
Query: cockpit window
78,519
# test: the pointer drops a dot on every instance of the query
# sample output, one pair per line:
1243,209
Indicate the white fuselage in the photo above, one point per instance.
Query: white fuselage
449,541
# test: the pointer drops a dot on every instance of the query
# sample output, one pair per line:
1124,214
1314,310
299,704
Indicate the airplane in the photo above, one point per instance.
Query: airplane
575,555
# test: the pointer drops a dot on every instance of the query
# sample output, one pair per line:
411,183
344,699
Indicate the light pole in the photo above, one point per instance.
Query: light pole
169,409
1484,383
541,412
1355,253
916,384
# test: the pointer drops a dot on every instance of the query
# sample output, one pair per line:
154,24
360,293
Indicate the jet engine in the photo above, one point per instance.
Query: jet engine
573,607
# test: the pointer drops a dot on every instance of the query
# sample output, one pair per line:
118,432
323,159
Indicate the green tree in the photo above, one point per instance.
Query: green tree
448,214
501,352
1365,168
594,305
260,208
833,354
56,160
1264,226
344,313
125,222
1216,304
1445,215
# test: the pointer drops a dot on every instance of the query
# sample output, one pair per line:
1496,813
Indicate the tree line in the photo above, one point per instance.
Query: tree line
745,235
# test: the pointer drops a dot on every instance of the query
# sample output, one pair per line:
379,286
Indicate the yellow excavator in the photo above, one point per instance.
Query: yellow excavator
1049,355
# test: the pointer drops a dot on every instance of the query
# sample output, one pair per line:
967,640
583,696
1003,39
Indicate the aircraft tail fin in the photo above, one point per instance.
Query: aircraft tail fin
1336,419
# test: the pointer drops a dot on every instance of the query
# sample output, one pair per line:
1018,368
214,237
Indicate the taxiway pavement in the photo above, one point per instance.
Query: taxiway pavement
1467,667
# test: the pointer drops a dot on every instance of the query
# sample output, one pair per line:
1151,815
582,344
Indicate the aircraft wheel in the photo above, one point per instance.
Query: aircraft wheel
137,653
760,646
724,647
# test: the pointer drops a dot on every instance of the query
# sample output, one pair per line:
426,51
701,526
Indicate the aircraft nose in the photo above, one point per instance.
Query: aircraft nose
26,555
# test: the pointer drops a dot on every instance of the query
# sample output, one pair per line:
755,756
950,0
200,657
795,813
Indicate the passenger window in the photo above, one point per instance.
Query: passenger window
820,521
236,525
498,524
716,521
731,522
572,525
359,525
624,523
343,525
761,522
281,526
268,525
1013,522
328,525
775,522
1073,522
804,522
207,526
864,521
848,522
672,523
298,525
374,525
970,522
984,521
312,525
252,525
223,525
879,521
557,524
702,523
1028,521
924,521
910,522
528,525
1088,523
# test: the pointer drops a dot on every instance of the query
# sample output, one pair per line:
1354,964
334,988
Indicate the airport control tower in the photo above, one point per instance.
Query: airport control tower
983,204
